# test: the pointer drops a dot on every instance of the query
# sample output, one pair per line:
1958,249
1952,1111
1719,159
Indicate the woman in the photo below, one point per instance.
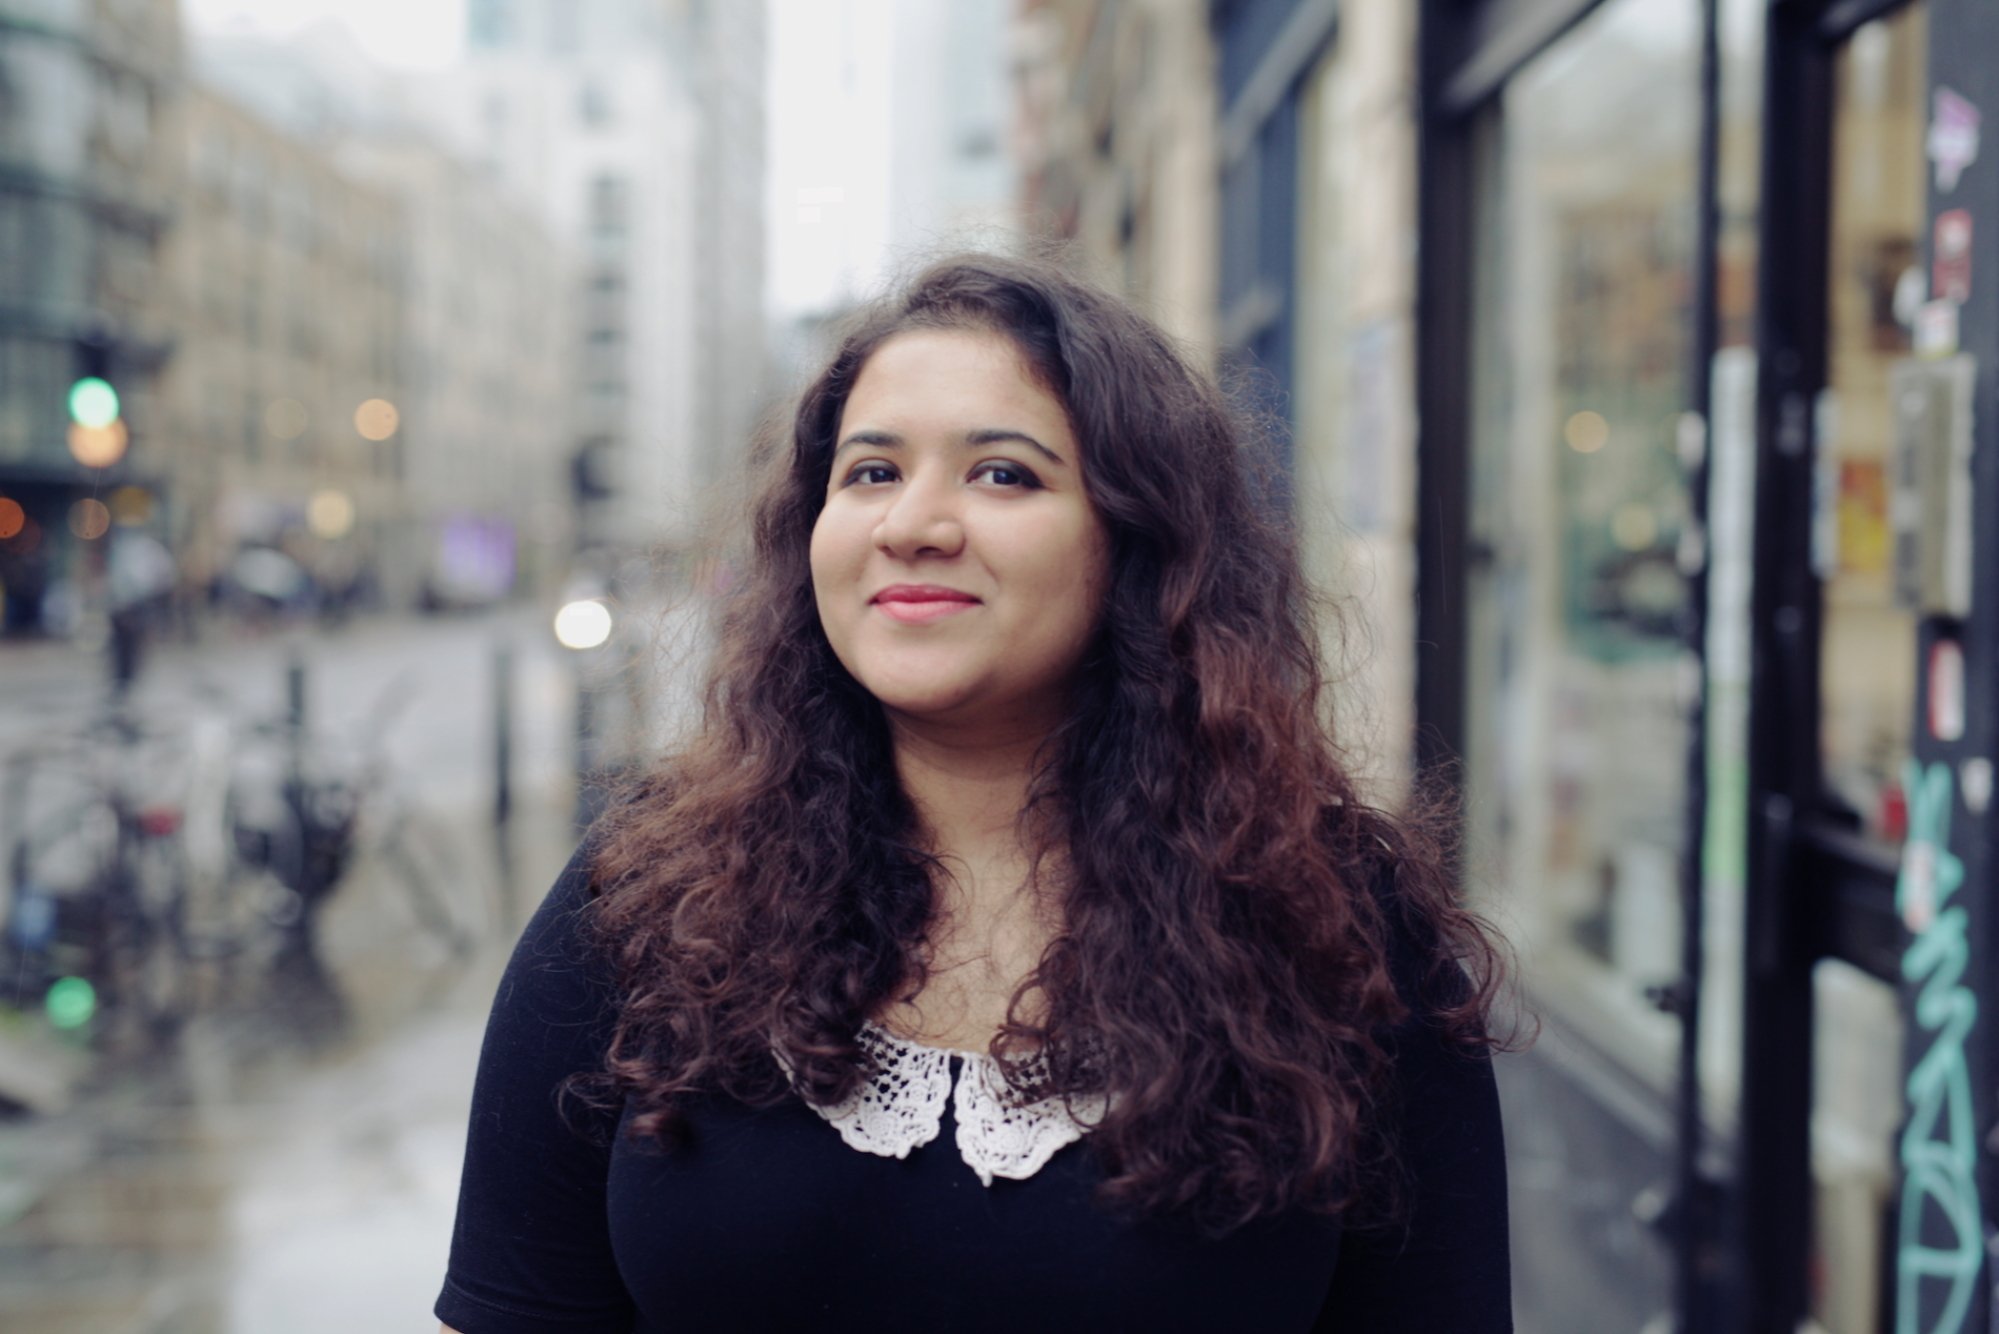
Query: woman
1010,950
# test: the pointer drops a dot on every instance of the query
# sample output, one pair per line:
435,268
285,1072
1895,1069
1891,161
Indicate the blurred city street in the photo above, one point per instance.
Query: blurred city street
440,669
379,379
294,1165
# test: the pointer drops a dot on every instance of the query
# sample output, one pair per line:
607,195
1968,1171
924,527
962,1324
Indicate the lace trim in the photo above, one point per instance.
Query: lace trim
1003,1131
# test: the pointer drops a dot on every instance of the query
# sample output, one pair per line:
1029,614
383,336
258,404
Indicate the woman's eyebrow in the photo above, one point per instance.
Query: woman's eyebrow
1003,435
991,435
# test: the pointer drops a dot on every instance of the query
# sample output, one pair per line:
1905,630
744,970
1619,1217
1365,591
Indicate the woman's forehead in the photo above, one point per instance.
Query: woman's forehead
944,372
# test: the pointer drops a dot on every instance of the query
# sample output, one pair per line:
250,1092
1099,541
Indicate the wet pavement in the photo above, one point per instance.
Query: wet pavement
291,1167
1583,1261
290,1160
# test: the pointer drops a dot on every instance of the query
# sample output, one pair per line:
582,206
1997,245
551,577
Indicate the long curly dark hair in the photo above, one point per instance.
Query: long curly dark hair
1229,902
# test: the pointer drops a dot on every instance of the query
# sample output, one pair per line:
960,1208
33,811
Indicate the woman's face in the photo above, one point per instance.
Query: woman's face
958,564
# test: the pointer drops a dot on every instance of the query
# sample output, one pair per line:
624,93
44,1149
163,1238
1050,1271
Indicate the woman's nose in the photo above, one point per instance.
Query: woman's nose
922,519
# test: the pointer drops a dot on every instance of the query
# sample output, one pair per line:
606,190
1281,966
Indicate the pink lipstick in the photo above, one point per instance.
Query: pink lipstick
919,604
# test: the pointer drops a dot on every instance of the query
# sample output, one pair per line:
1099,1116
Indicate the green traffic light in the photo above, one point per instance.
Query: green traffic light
93,403
70,1002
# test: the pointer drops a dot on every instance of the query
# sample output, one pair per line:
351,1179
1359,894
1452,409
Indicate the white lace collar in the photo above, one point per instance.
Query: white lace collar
1002,1132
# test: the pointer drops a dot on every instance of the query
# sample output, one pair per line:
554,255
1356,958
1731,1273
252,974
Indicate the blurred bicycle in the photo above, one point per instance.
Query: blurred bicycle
307,813
97,878
155,873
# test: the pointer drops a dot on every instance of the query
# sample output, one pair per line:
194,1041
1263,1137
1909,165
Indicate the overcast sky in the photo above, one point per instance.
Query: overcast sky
401,34
828,183
827,172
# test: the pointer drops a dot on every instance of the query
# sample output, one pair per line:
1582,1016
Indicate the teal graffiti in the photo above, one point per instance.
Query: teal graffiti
1939,1144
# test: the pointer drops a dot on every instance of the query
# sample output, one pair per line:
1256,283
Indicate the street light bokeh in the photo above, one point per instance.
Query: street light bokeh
89,518
376,419
93,402
583,624
330,514
98,446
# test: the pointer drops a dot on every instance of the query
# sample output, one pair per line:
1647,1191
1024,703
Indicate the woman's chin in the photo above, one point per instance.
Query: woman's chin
942,697
929,703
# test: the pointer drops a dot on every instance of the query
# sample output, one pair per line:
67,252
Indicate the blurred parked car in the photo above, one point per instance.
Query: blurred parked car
263,583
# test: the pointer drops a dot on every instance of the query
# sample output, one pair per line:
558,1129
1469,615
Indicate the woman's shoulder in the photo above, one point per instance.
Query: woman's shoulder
563,915
560,971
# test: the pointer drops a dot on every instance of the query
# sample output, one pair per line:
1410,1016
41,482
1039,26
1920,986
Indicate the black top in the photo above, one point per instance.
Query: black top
767,1220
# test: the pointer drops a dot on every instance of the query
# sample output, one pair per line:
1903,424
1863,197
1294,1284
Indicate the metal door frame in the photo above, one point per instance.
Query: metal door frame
1816,890
1468,49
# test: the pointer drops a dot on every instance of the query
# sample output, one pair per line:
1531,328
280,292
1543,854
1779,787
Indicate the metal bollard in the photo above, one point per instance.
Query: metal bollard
586,758
503,733
295,709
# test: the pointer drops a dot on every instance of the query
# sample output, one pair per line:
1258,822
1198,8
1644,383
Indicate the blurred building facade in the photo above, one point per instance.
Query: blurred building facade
288,278
1143,130
600,118
1115,132
485,361
85,198
486,380
1627,351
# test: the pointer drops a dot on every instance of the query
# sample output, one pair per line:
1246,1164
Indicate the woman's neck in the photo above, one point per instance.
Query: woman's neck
968,792
995,916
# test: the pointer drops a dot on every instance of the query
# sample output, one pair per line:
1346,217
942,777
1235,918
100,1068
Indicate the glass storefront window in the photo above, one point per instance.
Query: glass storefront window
1867,644
1868,649
1579,677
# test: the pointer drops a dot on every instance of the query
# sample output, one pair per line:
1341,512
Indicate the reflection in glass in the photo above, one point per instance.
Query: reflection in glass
1867,644
1868,649
1584,316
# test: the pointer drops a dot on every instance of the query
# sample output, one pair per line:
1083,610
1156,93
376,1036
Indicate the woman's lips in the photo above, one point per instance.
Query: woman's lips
917,606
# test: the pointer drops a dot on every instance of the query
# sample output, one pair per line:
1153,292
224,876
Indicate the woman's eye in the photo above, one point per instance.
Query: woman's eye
871,474
1006,474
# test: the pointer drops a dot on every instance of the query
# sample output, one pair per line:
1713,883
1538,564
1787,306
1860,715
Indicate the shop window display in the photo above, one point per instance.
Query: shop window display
1874,286
1867,644
1579,674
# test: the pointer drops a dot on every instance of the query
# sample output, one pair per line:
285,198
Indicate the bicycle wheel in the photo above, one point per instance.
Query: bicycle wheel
436,884
246,907
58,868
147,981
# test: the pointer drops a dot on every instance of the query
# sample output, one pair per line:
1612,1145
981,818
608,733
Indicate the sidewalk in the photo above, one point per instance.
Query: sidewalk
1582,1259
31,667
274,1175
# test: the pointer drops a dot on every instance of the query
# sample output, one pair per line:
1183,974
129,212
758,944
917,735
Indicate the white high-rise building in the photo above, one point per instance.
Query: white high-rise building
729,49
951,180
893,144
636,127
